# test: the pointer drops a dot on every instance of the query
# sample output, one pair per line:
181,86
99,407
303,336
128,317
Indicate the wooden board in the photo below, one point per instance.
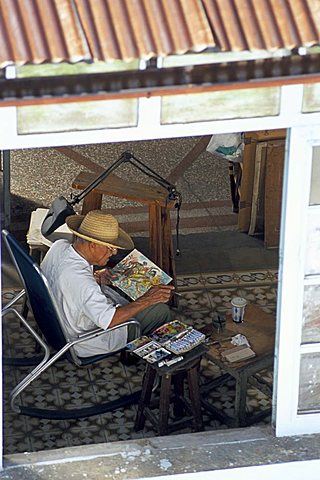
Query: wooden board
246,187
273,192
258,193
265,135
118,187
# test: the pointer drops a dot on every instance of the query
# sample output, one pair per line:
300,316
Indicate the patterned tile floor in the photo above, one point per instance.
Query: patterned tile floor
65,384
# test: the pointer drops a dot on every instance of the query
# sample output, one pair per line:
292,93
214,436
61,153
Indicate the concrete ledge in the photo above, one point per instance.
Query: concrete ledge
163,456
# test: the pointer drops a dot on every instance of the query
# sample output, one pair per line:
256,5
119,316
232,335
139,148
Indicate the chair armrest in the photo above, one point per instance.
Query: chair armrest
96,333
99,331
126,324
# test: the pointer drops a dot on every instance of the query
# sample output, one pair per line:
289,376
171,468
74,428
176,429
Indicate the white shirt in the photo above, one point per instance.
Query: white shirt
83,305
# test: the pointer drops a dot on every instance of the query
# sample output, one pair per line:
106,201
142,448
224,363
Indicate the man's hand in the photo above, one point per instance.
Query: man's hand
103,276
158,294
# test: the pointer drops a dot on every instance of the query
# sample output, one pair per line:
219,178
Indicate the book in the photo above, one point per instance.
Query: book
238,354
169,340
135,274
34,235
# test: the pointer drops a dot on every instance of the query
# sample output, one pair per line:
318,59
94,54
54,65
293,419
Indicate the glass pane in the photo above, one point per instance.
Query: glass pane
50,69
216,57
311,314
312,264
311,98
201,107
315,178
309,384
77,116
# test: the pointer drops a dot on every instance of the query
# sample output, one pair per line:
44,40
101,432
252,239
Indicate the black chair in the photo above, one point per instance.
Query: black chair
53,338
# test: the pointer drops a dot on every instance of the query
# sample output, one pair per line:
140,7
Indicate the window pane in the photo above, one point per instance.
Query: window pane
311,98
202,107
311,314
312,264
315,178
71,117
309,384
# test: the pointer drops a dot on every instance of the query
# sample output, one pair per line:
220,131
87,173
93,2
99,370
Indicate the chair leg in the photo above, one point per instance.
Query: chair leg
22,361
24,312
25,309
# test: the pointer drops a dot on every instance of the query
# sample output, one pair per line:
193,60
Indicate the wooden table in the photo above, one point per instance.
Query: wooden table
156,197
259,329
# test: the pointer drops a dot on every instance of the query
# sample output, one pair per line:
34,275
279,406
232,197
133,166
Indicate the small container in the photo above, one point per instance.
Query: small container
238,308
218,322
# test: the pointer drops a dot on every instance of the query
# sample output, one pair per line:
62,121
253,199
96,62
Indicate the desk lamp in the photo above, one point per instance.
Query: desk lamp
61,208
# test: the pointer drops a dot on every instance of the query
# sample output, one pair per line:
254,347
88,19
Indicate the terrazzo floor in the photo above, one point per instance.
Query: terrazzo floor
65,384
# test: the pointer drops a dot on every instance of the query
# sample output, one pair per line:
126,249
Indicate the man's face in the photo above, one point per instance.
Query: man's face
101,254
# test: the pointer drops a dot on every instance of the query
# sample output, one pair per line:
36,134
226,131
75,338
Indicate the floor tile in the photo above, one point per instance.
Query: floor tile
65,385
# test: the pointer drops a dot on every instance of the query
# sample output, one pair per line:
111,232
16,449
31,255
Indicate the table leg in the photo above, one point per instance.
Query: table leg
178,385
194,391
164,404
240,400
144,401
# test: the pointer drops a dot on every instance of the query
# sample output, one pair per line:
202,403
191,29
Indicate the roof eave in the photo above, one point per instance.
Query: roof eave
161,82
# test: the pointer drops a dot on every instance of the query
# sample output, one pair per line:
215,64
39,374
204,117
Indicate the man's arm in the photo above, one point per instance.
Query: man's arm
157,294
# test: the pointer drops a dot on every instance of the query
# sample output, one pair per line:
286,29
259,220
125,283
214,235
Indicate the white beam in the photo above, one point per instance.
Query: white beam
149,126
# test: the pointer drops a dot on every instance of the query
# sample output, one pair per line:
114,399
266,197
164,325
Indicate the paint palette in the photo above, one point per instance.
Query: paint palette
185,341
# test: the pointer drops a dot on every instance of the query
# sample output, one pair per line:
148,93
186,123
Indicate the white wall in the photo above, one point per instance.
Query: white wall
289,321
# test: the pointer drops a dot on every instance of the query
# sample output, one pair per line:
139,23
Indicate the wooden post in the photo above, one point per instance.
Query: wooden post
92,201
155,234
168,263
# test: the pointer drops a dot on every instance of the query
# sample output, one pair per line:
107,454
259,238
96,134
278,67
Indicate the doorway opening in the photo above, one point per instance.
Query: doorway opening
224,253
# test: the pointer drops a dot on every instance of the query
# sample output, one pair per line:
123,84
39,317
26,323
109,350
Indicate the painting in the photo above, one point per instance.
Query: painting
136,274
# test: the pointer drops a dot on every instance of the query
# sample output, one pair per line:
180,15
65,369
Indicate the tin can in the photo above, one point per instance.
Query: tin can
238,308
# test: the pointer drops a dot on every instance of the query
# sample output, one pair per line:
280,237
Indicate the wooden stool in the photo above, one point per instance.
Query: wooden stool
176,374
156,197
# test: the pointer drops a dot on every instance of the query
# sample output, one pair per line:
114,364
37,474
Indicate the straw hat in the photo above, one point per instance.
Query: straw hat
100,227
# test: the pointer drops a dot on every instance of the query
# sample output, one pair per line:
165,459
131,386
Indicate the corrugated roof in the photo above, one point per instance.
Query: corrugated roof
52,31
127,29
37,31
239,25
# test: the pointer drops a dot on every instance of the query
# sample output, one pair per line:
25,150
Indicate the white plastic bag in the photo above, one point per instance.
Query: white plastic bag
228,146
